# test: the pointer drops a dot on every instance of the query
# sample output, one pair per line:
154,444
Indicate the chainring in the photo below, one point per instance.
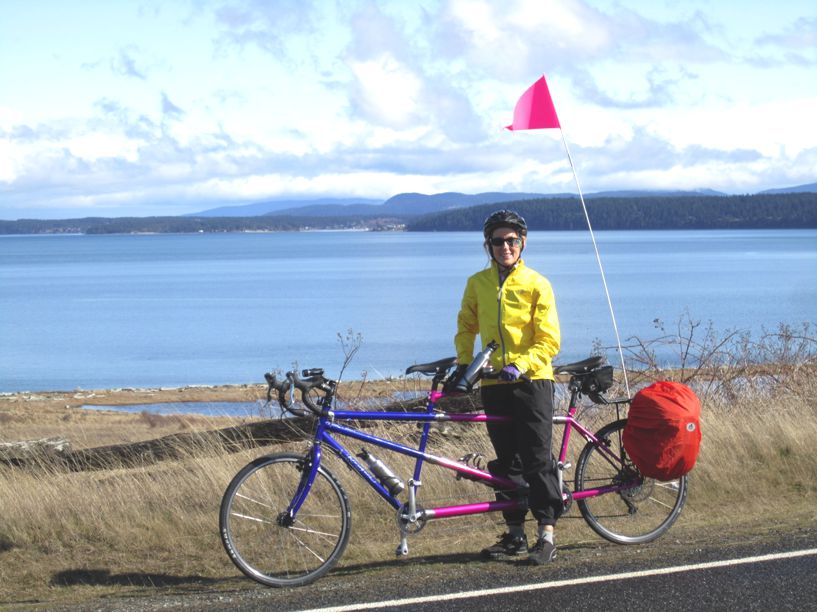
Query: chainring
407,526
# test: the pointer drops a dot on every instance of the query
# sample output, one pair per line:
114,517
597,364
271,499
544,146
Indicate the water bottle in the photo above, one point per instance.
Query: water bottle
475,368
386,477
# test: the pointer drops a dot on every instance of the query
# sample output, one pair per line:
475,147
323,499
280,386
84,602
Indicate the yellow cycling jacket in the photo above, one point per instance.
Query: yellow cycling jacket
520,315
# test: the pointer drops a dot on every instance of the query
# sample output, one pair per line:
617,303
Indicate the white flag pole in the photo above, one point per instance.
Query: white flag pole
598,259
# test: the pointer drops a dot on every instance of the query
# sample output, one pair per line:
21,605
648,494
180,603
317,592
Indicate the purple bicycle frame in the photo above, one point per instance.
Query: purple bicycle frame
328,425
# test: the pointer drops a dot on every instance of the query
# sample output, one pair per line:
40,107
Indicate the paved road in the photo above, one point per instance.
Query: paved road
771,582
620,578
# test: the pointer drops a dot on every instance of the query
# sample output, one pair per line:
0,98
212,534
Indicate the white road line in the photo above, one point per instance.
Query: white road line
561,583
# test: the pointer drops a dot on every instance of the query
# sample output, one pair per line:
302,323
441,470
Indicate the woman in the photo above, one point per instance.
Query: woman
514,305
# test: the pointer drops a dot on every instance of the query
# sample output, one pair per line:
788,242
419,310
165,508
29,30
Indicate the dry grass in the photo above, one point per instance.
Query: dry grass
74,536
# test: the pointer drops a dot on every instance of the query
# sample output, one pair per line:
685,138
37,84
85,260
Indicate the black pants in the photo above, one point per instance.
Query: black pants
523,447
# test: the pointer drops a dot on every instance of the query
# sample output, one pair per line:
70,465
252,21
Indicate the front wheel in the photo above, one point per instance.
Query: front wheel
633,515
267,547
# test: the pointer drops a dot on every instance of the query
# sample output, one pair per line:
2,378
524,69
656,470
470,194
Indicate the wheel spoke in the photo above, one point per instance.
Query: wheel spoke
325,534
659,502
251,518
253,500
671,485
651,506
278,554
306,547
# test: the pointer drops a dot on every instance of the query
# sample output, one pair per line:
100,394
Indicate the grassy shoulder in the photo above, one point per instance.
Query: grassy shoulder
68,538
36,415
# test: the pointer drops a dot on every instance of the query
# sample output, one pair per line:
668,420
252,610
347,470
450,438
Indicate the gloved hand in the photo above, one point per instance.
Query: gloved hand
509,373
454,378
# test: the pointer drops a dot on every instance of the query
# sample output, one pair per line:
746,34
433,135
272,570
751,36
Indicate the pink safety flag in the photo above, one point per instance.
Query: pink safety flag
535,109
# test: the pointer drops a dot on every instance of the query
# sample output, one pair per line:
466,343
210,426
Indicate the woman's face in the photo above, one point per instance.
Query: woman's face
507,252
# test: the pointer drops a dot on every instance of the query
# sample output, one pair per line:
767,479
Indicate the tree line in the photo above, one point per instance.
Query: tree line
760,211
187,225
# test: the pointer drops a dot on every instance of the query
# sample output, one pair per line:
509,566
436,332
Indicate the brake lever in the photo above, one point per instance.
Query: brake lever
314,379
272,383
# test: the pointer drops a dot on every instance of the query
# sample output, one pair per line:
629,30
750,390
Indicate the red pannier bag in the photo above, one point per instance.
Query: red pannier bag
663,431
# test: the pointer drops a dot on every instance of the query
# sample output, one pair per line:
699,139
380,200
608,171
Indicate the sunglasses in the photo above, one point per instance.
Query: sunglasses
511,242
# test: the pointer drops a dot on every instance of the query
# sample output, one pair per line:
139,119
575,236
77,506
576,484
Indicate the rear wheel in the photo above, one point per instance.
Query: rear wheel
634,515
270,549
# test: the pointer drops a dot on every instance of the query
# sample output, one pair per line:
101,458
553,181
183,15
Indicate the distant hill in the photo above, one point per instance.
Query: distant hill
421,204
762,211
790,207
417,204
412,204
406,204
269,206
331,210
810,188
652,194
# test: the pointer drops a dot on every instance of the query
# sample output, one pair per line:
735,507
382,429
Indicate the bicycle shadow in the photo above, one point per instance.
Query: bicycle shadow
470,558
350,569
103,577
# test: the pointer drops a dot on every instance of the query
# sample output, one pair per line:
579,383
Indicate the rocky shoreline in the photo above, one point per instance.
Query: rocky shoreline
129,396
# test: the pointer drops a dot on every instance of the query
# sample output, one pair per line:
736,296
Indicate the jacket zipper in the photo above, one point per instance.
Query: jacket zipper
499,313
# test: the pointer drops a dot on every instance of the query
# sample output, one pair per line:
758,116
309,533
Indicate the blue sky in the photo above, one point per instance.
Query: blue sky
150,108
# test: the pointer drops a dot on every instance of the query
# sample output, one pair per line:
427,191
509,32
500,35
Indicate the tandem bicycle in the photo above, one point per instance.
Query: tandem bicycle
285,519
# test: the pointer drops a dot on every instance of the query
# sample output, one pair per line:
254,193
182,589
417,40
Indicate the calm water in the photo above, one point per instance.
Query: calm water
173,310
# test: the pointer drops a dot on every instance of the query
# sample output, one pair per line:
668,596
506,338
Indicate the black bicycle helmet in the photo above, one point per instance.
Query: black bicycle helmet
504,218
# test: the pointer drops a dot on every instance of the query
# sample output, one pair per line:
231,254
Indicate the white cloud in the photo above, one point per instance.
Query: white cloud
8,167
478,19
93,146
388,91
250,100
574,24
765,127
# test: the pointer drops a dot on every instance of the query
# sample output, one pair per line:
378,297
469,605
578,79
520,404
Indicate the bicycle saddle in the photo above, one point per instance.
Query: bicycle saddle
580,367
433,367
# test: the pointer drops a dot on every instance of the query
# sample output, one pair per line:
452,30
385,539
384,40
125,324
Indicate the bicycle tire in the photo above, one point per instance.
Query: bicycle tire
277,555
633,516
